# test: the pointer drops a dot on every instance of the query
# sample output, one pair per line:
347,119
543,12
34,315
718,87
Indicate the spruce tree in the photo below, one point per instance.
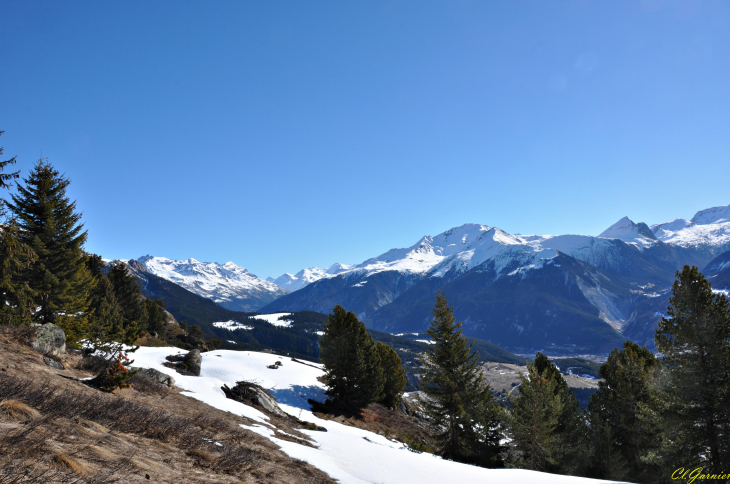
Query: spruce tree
533,419
394,376
49,226
571,432
16,296
458,401
131,300
354,377
105,314
622,436
6,179
694,340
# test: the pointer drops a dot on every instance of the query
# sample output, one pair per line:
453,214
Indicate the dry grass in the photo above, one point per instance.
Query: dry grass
68,463
55,429
19,411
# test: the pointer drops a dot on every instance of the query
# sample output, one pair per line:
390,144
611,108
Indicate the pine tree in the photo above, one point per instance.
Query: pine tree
458,401
533,419
354,376
6,179
694,339
49,226
16,296
571,431
106,320
622,437
131,301
394,376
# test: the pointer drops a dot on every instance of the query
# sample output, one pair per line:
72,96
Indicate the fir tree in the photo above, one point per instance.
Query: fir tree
622,437
694,339
131,301
49,226
6,179
16,296
354,377
394,376
533,419
571,432
458,401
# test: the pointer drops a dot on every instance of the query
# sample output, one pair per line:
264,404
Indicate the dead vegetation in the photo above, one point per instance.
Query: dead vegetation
56,429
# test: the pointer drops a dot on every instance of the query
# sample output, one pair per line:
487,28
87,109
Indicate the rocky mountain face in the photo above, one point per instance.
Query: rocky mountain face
229,285
560,294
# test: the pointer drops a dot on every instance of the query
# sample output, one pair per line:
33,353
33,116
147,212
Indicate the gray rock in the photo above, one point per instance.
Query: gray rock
192,362
188,364
53,363
49,340
247,392
156,375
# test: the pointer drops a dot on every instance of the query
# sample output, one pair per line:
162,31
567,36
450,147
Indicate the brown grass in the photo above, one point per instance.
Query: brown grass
19,411
71,464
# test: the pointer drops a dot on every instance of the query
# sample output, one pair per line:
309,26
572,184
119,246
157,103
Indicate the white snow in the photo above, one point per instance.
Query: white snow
708,228
726,292
307,276
219,282
232,325
351,455
427,341
274,319
629,232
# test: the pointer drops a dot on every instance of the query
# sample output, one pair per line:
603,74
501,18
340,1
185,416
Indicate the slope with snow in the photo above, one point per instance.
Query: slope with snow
229,285
348,454
307,276
708,230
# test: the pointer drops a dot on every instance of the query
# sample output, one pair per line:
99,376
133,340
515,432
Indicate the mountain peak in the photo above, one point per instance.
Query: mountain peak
714,215
628,231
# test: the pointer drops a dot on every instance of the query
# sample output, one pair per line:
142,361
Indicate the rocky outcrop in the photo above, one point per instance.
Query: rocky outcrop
50,340
53,363
156,376
187,364
247,392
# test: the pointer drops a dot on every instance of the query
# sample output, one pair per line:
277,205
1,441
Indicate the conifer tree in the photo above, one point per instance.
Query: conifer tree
6,179
533,419
622,436
394,376
131,301
694,340
458,401
49,226
571,431
106,321
354,376
16,296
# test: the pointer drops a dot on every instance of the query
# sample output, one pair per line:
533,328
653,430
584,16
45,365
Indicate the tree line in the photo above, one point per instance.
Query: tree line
652,419
47,277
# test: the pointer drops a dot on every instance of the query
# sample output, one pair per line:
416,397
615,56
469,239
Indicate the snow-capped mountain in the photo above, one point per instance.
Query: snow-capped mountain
708,231
523,292
307,276
231,286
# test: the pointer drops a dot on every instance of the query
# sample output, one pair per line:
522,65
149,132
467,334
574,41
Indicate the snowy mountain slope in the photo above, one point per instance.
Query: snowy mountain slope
307,276
345,453
708,231
626,230
229,285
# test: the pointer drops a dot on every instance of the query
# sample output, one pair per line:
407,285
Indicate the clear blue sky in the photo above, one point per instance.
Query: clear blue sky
280,134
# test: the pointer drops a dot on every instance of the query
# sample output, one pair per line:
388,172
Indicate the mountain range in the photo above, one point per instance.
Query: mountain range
560,294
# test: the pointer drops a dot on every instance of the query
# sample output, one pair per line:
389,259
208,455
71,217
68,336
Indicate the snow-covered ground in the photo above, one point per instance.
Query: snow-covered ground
232,325
274,319
345,453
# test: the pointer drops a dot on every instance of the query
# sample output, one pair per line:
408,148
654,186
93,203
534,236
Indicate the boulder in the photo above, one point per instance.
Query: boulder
50,340
53,363
156,376
247,392
187,364
192,362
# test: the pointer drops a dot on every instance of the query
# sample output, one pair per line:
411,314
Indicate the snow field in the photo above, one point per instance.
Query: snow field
347,454
274,319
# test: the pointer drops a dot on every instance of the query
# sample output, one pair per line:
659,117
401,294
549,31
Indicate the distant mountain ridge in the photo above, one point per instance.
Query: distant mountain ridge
525,292
231,286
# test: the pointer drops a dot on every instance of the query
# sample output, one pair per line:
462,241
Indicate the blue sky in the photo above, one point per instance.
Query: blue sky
280,135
